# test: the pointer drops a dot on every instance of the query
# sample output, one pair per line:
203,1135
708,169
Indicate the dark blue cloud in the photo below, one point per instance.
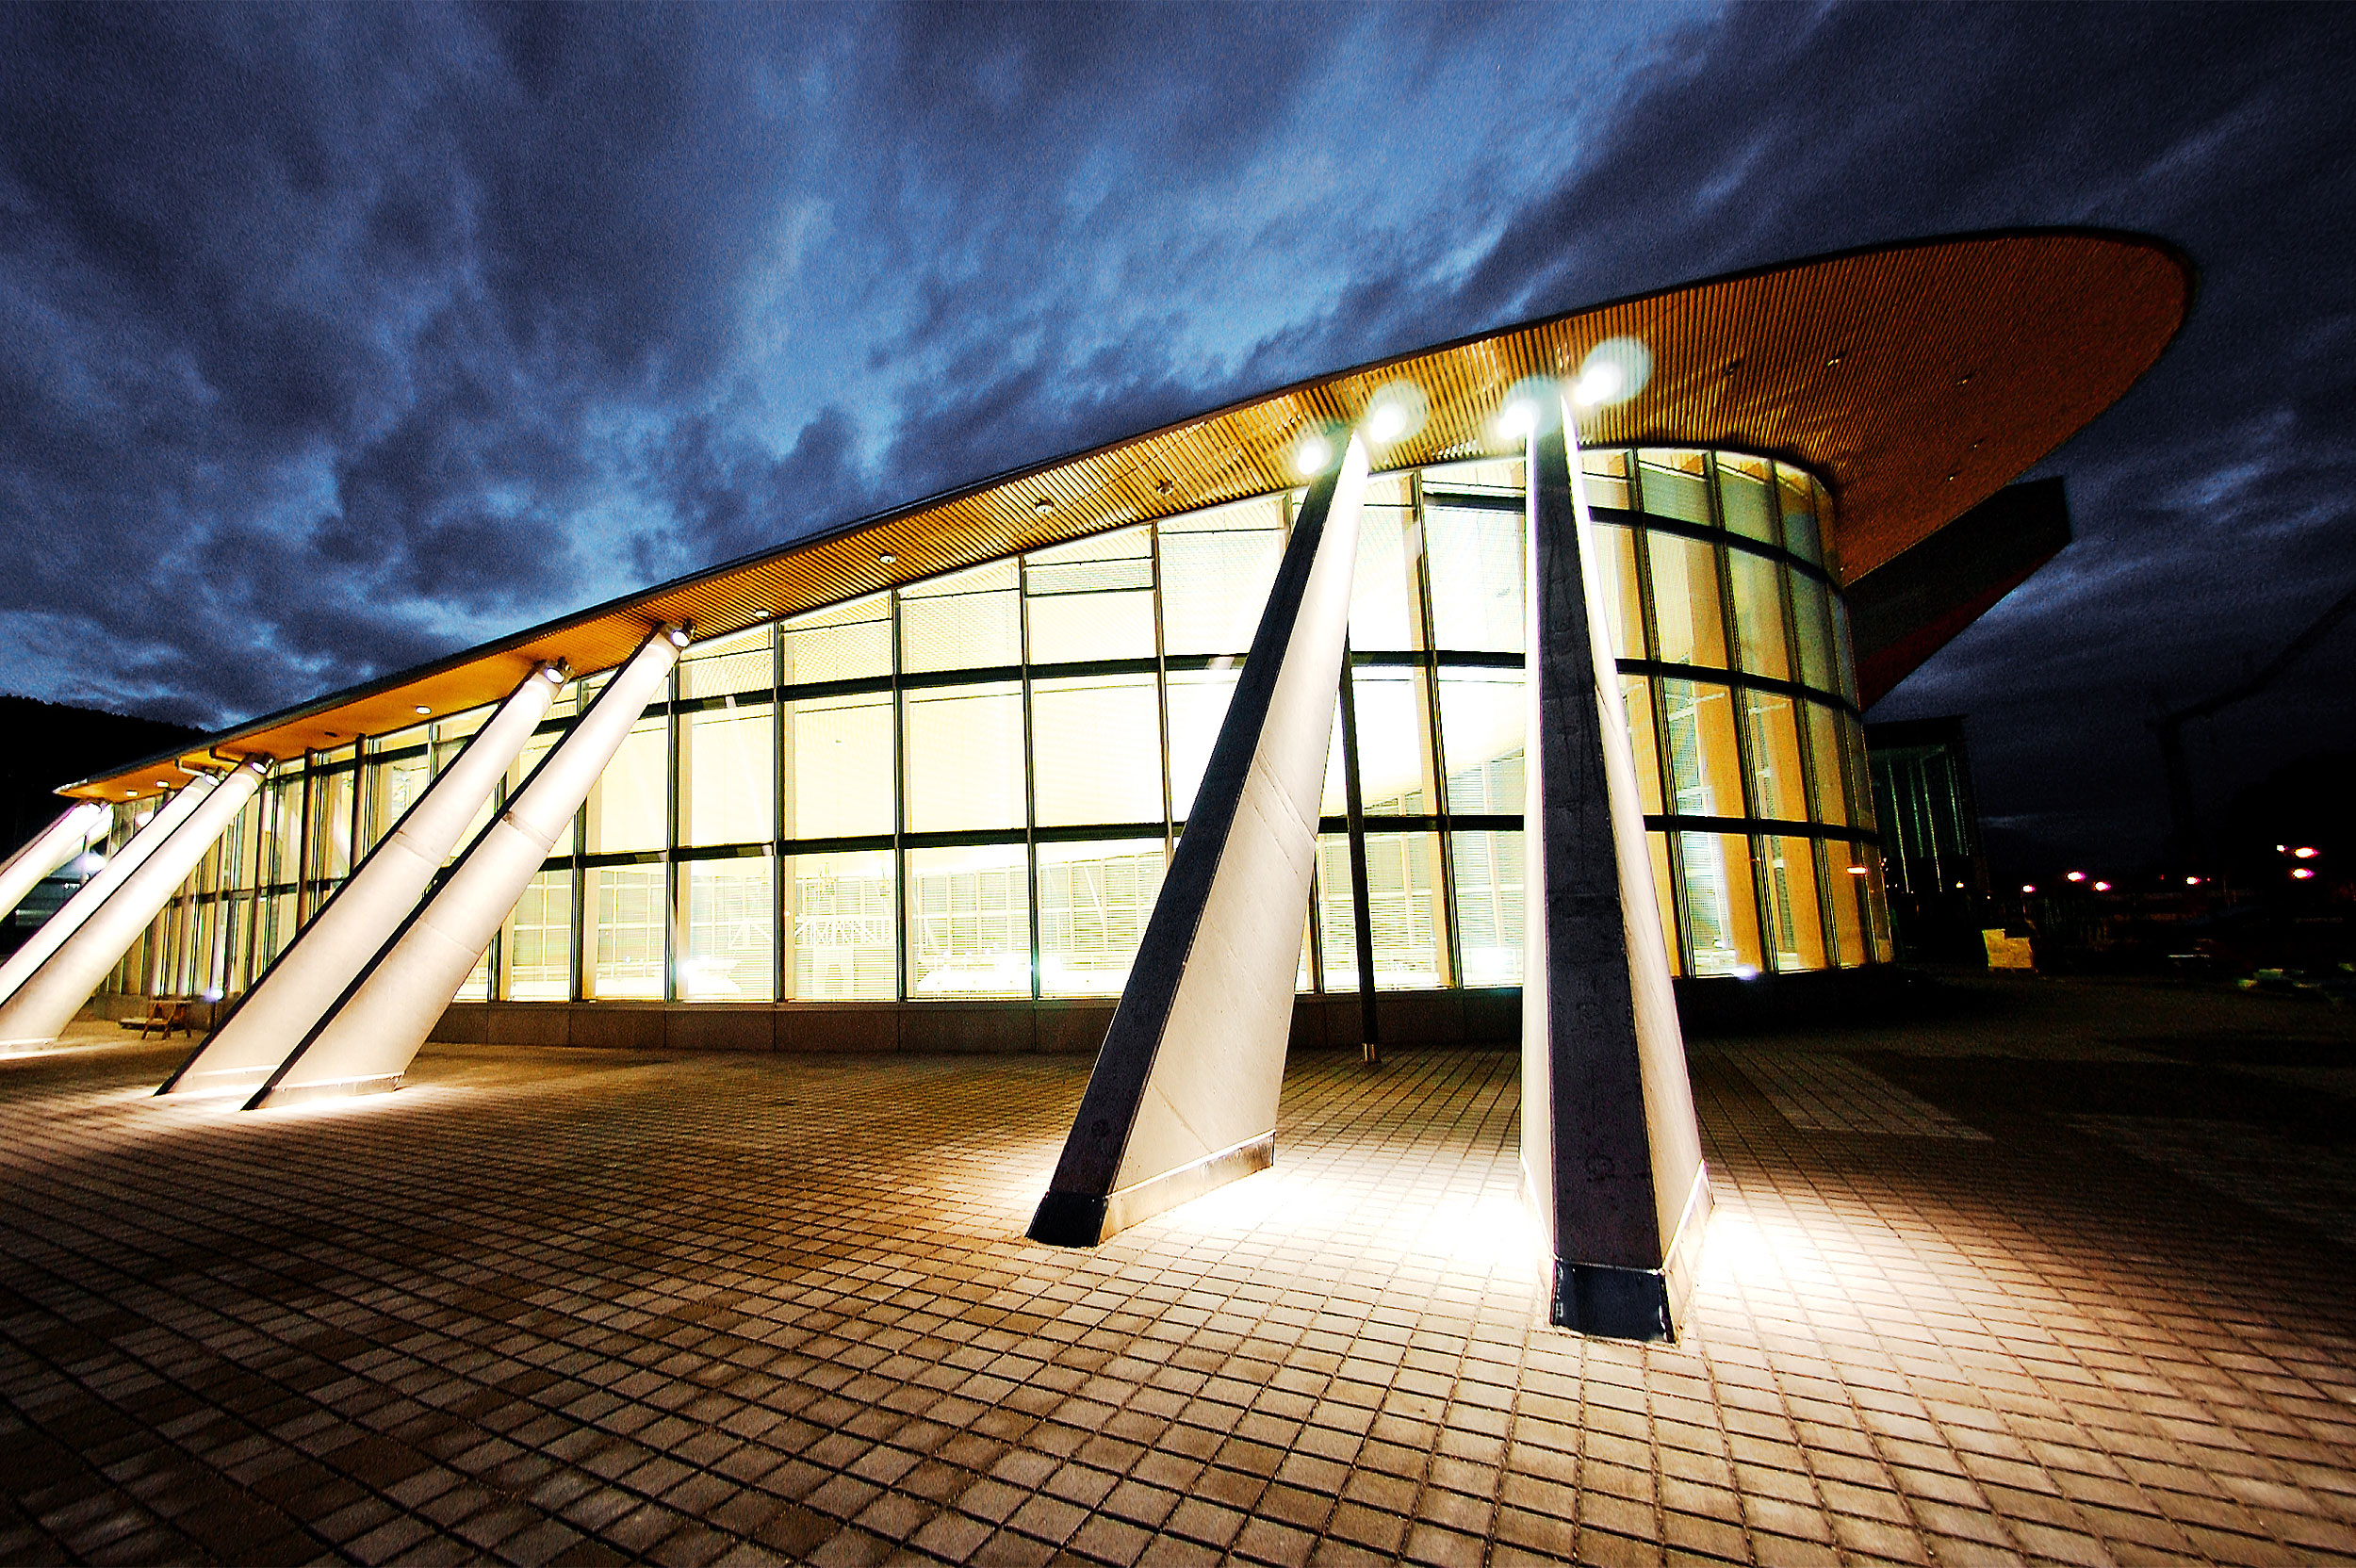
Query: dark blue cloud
333,337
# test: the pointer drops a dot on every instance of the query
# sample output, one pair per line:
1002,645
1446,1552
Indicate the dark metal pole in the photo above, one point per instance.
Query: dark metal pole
1362,911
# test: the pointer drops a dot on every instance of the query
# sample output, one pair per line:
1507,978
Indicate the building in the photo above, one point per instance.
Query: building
915,782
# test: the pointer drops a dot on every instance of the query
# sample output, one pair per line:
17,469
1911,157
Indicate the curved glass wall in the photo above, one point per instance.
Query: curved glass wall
969,787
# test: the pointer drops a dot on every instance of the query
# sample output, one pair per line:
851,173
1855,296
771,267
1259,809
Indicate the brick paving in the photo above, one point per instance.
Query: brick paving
577,1307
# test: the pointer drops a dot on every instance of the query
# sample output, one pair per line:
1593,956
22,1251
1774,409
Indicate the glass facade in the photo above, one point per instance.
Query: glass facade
969,787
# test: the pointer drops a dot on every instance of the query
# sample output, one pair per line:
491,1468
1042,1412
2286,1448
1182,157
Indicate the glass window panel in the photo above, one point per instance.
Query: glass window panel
1071,627
331,827
838,766
1721,903
744,662
965,757
1333,799
1801,498
1394,742
1096,745
1664,897
1623,592
730,930
1216,569
1674,483
969,922
394,786
728,756
1402,896
1685,601
1337,921
1497,475
1475,566
628,913
1861,813
238,940
1094,900
280,931
1843,652
628,806
281,839
1385,605
1705,769
968,620
1778,789
851,640
1198,705
1792,903
1824,727
1811,616
1849,879
1644,742
1759,614
1482,717
536,945
477,986
1604,473
840,911
454,730
1746,496
1488,868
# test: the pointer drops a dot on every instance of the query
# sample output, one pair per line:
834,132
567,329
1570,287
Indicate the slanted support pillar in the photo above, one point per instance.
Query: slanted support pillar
368,1038
1611,1149
47,999
1184,1095
48,849
93,893
359,918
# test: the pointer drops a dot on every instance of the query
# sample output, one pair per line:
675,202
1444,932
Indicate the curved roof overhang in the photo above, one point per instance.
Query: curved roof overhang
1917,378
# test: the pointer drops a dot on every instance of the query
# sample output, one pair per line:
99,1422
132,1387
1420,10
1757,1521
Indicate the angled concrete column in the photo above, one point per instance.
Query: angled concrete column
371,1034
92,895
48,849
53,993
1183,1096
1610,1146
359,918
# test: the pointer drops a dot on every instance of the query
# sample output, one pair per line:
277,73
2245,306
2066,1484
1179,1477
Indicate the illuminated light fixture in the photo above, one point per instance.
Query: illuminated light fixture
1532,406
1313,454
1744,971
2192,881
886,558
2102,887
1045,504
760,614
423,709
1833,360
1614,372
2282,849
678,633
2306,852
2302,873
1959,886
1395,412
163,783
2077,877
554,673
1859,871
2028,887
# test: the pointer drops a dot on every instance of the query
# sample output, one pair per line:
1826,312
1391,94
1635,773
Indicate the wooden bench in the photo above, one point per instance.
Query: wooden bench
165,1014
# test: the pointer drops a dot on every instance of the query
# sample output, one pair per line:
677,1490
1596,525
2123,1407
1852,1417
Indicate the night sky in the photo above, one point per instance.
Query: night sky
335,339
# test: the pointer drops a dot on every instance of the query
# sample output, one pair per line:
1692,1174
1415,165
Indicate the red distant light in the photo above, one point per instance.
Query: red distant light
2028,887
2102,887
2301,875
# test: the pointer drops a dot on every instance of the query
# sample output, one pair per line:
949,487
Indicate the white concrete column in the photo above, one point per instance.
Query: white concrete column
374,1031
51,994
1610,1149
50,848
93,893
279,1009
1183,1096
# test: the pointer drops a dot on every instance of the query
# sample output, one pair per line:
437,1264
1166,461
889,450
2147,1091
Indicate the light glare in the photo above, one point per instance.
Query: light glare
1313,455
1614,372
1396,412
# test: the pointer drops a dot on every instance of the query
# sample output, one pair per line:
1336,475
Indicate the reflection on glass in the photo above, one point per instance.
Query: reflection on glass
1475,566
1644,742
1778,791
1759,614
1488,868
965,757
626,956
1801,501
969,922
1685,601
728,788
1813,623
1098,740
839,909
1849,876
1216,568
1824,727
1791,904
1198,705
1481,719
1705,769
1094,900
730,930
628,810
1721,907
537,944
1745,497
838,766
1674,484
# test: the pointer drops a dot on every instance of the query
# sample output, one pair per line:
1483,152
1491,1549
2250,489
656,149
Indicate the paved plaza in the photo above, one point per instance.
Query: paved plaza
2059,1270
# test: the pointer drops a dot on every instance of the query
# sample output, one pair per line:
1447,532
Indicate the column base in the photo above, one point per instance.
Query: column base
1608,1301
303,1094
1084,1219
